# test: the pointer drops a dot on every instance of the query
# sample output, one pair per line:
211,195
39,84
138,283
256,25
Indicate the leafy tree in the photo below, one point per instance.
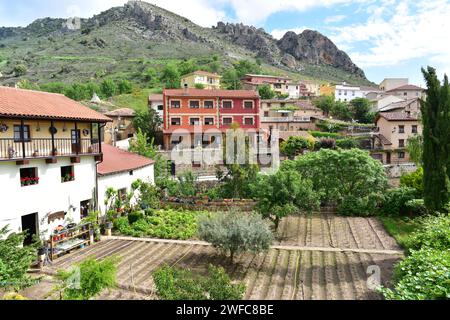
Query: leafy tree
340,174
347,143
236,183
231,79
341,111
236,232
324,103
15,259
151,77
284,193
148,121
245,66
415,149
108,88
187,66
94,276
55,87
125,87
413,180
170,77
362,110
436,135
78,92
266,92
20,70
295,145
187,182
178,284
26,84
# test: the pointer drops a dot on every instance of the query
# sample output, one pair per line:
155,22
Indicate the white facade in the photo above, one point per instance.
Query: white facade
158,106
293,90
49,196
122,180
384,101
346,93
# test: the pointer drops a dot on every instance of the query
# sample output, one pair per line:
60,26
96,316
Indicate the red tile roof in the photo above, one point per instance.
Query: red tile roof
44,105
116,160
407,87
199,93
397,116
156,97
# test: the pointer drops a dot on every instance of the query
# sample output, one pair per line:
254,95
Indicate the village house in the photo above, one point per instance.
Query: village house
118,170
278,84
345,93
407,92
411,106
291,115
49,148
393,131
392,83
156,103
380,101
203,79
121,127
210,111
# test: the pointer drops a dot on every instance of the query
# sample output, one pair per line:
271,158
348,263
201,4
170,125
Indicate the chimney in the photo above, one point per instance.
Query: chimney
185,89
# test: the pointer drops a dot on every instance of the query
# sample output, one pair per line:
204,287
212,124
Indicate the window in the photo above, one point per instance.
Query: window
414,129
284,115
209,121
67,174
401,143
248,104
22,133
194,121
175,103
227,120
160,108
208,104
266,114
28,177
194,104
340,92
345,93
175,121
405,93
401,155
249,121
227,104
401,129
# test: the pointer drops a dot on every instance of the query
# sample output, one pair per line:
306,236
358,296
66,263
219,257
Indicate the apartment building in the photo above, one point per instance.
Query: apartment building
206,80
156,103
393,131
346,93
49,148
211,112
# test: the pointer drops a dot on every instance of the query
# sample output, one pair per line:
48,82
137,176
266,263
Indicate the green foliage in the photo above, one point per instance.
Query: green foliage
282,194
327,143
151,77
20,70
135,216
324,103
434,233
341,110
415,149
401,228
236,232
231,80
236,183
15,260
170,77
341,174
294,146
200,86
360,206
108,88
178,284
435,112
413,180
424,275
187,187
416,207
330,126
244,67
395,200
148,195
347,143
163,224
320,134
266,92
125,87
362,110
94,277
187,66
148,122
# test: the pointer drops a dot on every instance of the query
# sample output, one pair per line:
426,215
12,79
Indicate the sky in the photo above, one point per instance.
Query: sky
386,38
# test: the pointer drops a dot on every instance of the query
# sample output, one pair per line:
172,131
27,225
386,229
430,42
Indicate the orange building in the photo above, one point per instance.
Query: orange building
188,110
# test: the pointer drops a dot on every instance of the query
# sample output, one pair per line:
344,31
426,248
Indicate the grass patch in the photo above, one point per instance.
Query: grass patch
400,228
138,100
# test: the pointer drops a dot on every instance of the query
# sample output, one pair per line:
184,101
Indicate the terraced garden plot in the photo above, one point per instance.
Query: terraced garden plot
279,274
332,231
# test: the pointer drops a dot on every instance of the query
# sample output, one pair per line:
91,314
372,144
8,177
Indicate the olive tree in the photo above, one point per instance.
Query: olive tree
235,233
283,193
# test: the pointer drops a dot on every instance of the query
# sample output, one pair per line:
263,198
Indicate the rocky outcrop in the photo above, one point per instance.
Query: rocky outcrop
313,47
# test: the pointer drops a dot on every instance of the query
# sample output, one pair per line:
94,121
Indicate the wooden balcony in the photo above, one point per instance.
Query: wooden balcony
14,150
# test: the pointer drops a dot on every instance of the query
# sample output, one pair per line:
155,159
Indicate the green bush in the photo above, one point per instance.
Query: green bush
433,233
423,275
360,206
94,276
178,284
416,207
320,134
236,232
394,202
135,216
347,143
413,180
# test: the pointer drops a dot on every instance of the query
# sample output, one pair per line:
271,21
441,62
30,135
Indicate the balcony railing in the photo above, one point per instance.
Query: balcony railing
45,148
286,119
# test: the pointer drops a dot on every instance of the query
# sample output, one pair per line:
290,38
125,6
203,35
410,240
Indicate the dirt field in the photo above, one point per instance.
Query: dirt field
306,264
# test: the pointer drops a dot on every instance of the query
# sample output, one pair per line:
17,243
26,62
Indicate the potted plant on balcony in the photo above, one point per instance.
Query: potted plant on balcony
24,182
34,180
36,153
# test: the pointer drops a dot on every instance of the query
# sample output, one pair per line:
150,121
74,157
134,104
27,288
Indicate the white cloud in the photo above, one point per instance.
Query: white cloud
333,19
398,32
279,33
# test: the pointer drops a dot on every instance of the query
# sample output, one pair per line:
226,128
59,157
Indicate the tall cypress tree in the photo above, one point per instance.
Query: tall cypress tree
436,137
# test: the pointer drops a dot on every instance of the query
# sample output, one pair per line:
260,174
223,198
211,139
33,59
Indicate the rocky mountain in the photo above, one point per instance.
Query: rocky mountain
125,40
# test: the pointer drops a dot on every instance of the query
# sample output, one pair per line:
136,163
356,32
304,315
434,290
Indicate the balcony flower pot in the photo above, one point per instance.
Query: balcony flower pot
35,153
90,149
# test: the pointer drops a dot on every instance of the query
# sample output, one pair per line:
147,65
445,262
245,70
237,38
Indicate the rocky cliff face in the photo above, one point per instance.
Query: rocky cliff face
313,47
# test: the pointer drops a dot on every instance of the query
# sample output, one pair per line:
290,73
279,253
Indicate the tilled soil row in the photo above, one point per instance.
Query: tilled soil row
332,231
277,275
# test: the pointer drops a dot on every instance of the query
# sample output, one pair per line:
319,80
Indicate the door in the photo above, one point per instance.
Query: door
76,141
388,158
30,227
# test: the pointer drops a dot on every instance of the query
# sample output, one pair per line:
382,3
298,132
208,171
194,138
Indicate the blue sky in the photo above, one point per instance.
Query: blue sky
386,38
